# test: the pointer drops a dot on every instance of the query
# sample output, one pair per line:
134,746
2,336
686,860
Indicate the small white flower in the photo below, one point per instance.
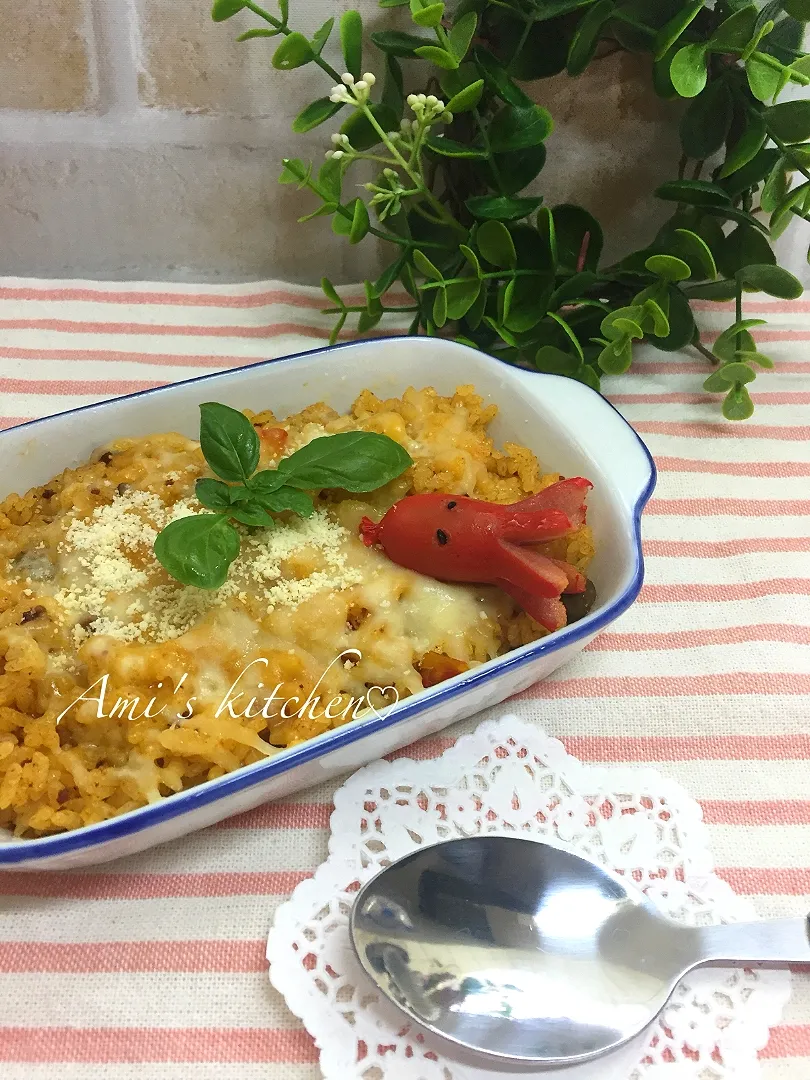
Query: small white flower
369,78
390,173
447,118
337,153
347,78
411,99
361,85
405,126
336,139
329,155
431,99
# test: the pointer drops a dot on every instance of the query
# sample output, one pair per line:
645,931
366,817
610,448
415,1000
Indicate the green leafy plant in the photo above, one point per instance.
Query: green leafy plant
199,549
497,269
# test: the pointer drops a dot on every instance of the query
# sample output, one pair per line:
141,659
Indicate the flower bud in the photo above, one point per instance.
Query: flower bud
348,78
369,78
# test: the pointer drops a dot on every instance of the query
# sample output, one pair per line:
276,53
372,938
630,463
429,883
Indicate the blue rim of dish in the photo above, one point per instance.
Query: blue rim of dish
89,836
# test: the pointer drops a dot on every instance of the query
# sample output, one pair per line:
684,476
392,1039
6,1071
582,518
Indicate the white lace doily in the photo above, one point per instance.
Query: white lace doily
509,777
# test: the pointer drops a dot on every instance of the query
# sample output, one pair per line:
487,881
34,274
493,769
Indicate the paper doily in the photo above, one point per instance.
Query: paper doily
509,777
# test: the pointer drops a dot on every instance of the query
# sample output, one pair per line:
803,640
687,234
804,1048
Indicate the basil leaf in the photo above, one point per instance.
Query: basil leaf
213,494
228,441
287,498
251,514
264,482
352,460
198,550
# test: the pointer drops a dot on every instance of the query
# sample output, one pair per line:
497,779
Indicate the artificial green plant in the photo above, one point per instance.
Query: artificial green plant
488,265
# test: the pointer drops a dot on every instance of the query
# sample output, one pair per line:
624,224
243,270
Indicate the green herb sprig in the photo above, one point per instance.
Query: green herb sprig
495,268
198,550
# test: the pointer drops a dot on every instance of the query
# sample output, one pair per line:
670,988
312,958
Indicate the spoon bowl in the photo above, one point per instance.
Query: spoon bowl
533,955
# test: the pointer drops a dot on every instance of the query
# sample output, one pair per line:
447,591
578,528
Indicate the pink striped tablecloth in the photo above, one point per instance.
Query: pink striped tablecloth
154,966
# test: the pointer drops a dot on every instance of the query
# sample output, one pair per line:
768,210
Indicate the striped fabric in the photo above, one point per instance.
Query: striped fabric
153,966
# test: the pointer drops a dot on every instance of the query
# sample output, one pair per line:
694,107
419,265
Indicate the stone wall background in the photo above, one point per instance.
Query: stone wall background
138,139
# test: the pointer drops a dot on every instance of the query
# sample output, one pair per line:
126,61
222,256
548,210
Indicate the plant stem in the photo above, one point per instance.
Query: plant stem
392,238
483,277
442,38
415,175
786,150
738,314
706,352
285,30
362,155
771,61
424,213
355,308
524,37
621,16
400,160
488,147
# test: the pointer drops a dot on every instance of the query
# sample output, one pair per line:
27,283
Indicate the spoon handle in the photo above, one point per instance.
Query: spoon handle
776,942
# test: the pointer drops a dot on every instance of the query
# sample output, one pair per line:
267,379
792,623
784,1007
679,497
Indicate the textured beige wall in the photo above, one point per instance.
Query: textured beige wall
46,57
138,139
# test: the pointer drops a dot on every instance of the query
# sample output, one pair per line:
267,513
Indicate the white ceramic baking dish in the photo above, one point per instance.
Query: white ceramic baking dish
571,428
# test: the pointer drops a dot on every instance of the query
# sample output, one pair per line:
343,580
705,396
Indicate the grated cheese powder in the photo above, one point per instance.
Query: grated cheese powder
116,580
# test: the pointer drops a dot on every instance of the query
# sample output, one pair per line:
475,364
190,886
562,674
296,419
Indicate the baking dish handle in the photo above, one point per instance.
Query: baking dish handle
602,432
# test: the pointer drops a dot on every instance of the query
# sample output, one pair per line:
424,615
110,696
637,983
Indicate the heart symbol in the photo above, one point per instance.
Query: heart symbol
382,690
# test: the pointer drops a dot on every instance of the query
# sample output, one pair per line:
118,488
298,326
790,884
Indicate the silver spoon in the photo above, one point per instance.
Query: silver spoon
534,956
